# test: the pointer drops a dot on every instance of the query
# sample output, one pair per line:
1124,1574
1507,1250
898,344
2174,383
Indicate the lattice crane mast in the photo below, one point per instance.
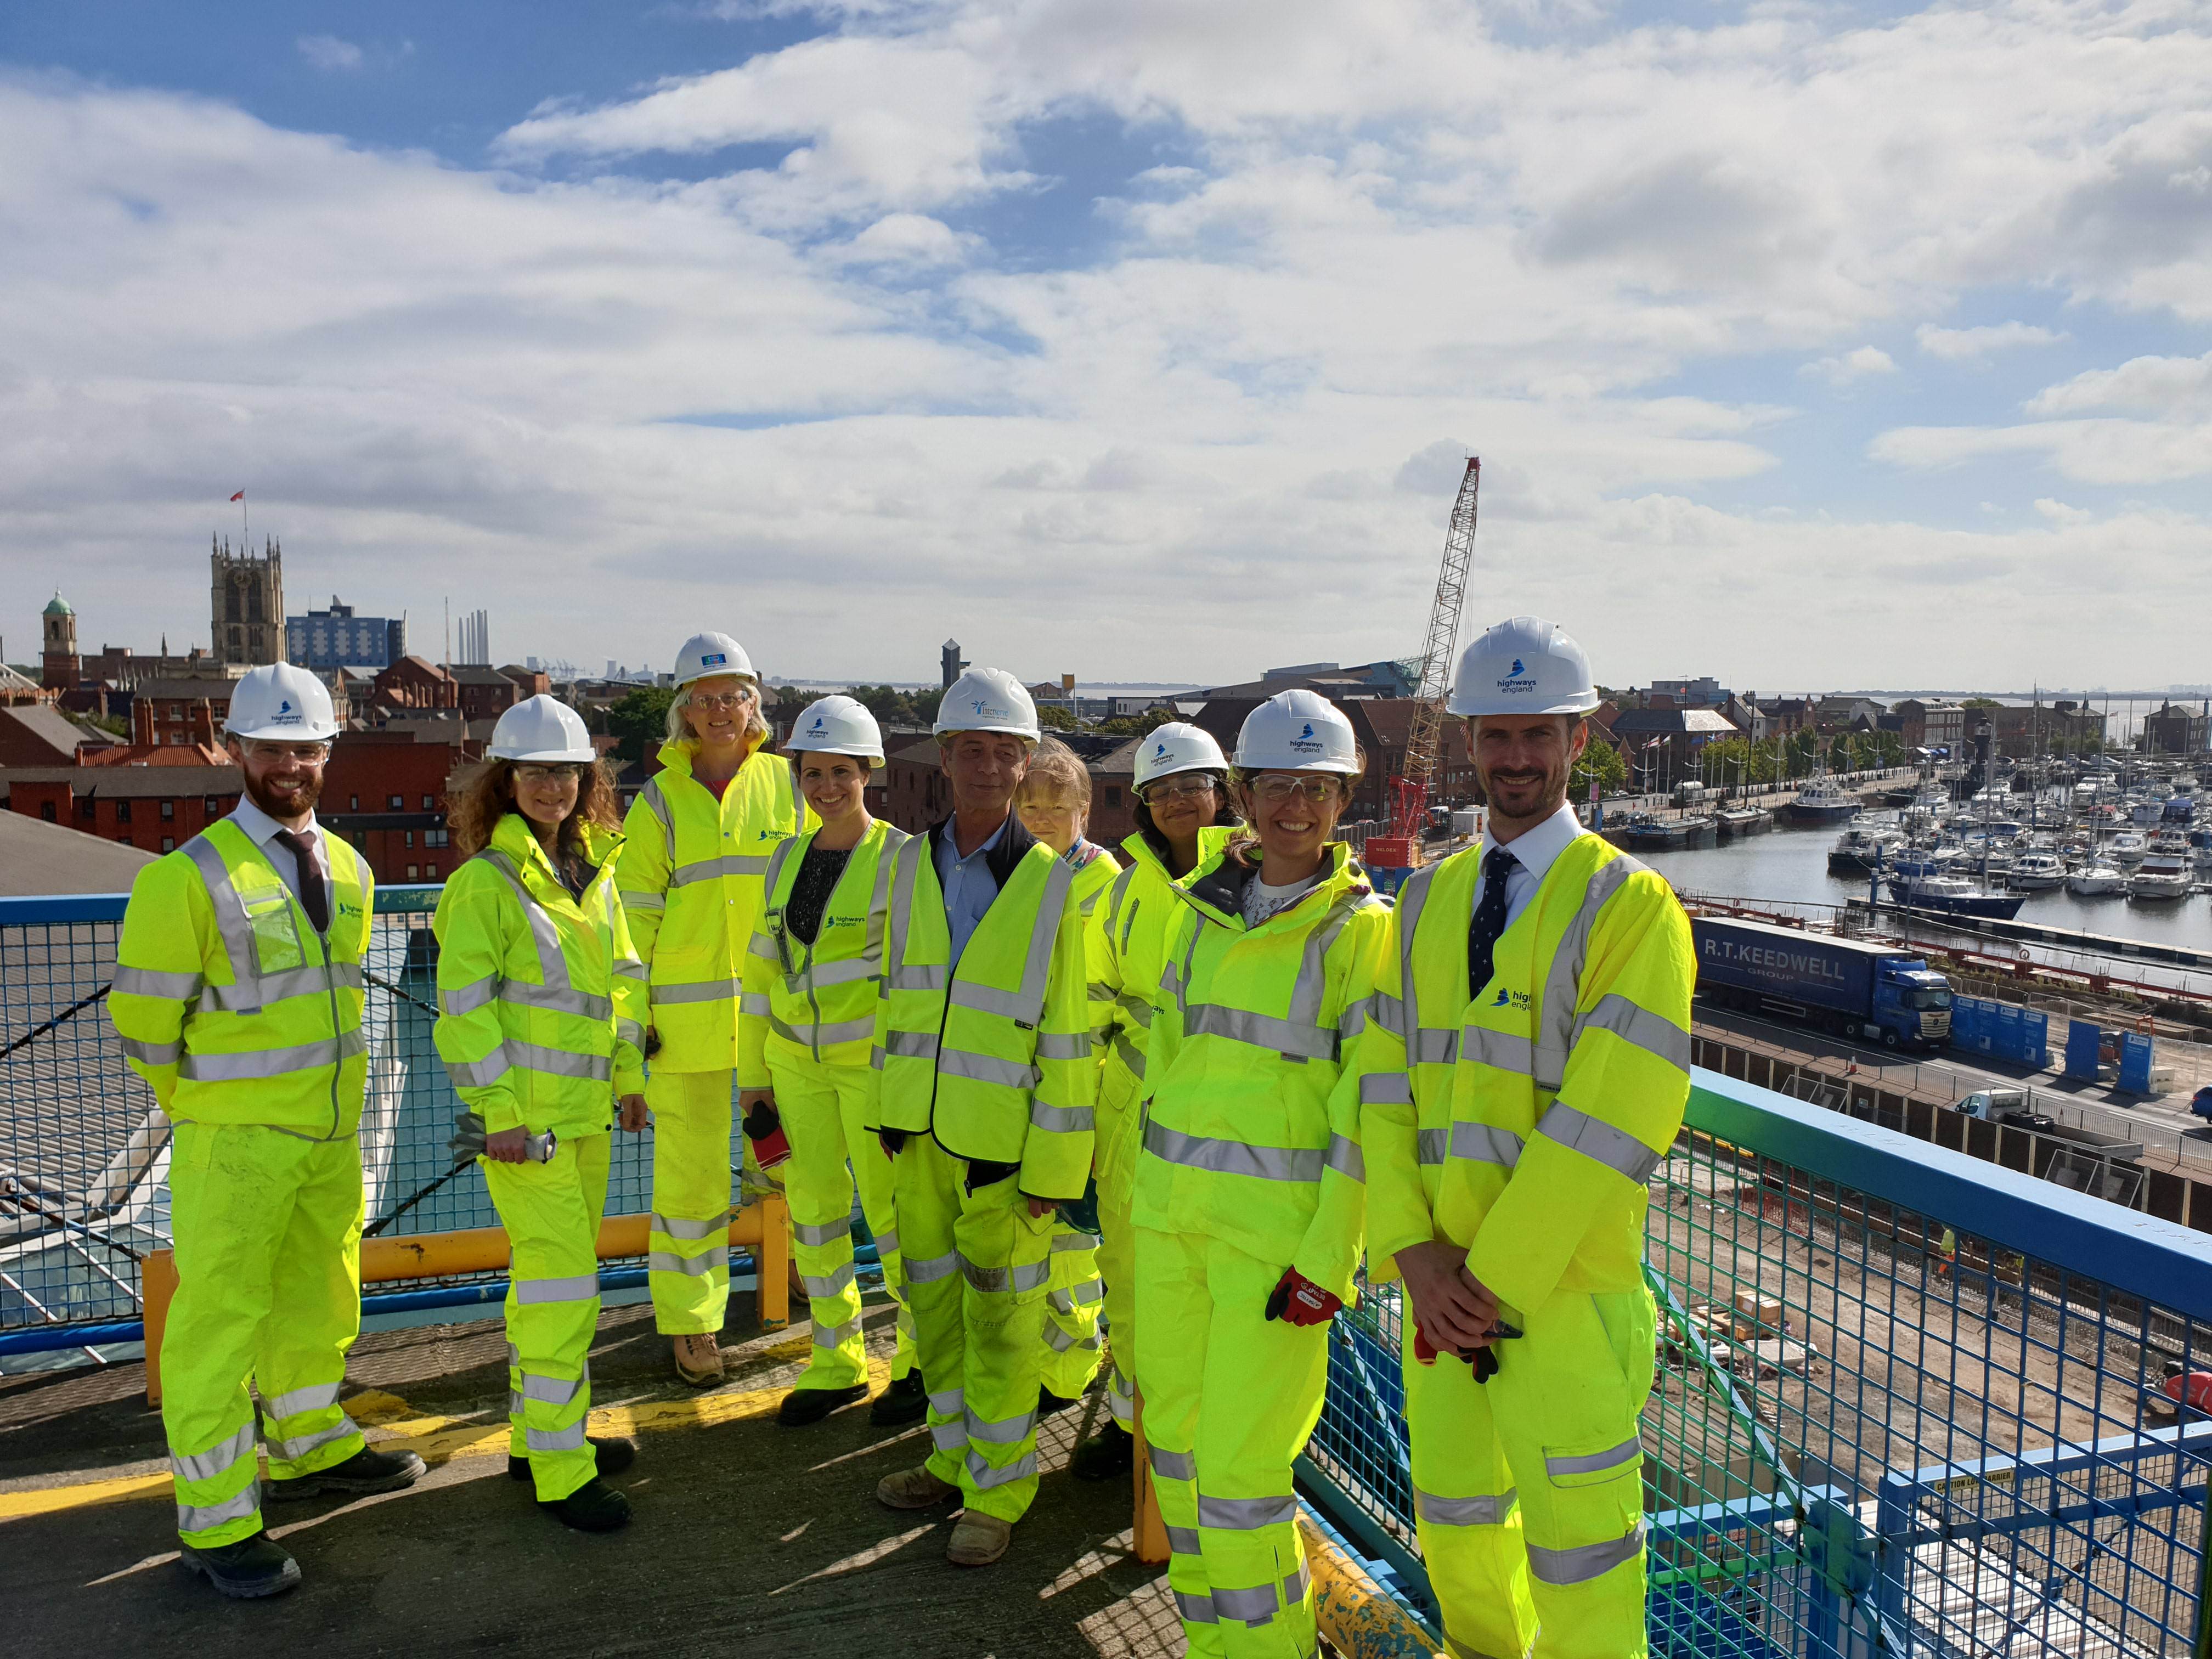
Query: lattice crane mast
1424,741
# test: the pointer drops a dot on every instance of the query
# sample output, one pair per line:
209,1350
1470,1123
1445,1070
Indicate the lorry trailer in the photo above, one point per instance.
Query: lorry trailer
1851,987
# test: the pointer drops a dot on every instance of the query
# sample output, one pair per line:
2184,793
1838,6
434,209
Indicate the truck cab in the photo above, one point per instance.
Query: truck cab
1912,1004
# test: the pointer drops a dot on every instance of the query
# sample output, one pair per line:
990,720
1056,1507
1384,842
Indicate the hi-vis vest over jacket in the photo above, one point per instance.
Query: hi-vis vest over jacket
1524,1118
993,1058
229,1004
690,877
1128,944
540,997
1251,1132
818,1000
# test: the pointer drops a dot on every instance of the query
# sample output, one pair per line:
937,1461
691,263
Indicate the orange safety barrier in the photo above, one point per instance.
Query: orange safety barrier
765,1223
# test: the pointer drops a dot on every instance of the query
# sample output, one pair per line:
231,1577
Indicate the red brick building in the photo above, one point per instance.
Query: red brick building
385,791
36,734
180,711
156,809
414,683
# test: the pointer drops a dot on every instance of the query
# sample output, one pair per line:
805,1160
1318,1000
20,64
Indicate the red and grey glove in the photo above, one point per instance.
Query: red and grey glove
765,1130
1297,1300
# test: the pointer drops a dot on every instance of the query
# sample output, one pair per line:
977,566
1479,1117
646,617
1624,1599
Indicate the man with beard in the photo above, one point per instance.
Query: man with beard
238,997
1525,1067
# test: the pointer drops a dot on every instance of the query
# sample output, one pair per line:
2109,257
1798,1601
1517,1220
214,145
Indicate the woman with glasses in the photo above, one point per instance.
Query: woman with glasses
1250,1194
697,843
1183,814
540,1007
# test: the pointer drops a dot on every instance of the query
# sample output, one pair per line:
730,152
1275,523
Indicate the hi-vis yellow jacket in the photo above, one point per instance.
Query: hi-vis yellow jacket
541,999
817,1001
690,879
994,1057
1127,945
229,1004
1251,1131
1523,1120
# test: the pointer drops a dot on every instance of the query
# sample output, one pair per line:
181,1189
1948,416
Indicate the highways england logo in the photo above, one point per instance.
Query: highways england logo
713,658
819,726
286,715
1517,678
1160,751
1305,743
1510,999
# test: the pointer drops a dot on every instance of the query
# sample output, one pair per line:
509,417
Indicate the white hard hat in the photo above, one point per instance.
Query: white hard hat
1178,746
1524,666
542,728
1297,731
705,655
281,701
836,725
988,700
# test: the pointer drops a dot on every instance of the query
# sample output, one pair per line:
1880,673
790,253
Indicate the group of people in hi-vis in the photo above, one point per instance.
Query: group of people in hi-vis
1195,1088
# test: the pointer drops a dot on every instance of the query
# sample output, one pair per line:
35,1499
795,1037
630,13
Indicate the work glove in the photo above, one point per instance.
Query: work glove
1484,1360
468,1141
1297,1300
764,1128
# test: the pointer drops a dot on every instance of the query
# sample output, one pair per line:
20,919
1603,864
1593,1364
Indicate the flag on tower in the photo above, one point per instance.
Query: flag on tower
240,496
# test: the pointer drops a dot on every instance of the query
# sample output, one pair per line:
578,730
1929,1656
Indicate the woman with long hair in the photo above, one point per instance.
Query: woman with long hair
1250,1191
541,1002
697,842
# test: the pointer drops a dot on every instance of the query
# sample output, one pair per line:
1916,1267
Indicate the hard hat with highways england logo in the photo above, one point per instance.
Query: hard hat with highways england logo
1176,747
280,702
706,655
988,700
1524,666
836,725
1297,731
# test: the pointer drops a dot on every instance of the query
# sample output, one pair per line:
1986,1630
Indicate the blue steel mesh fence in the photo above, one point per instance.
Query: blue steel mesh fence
83,1150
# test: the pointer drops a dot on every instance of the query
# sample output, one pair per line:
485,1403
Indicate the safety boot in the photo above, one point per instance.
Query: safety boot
367,1471
593,1507
615,1454
248,1569
804,1406
978,1539
906,1401
698,1359
914,1489
1112,1451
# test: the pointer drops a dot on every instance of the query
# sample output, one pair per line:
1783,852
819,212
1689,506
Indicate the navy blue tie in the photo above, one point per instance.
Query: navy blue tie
1489,920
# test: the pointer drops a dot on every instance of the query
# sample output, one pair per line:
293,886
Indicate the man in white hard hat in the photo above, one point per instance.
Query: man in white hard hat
238,997
1528,1069
984,1087
697,842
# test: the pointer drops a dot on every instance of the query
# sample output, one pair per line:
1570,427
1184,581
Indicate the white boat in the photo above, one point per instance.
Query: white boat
2097,879
2161,877
2126,849
2037,873
2146,811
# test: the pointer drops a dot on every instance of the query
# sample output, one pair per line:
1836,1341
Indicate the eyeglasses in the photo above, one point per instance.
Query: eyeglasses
1276,787
560,772
1189,788
726,699
270,753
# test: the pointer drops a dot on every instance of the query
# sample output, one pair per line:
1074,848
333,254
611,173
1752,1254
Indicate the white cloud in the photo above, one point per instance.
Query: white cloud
2059,513
2102,452
1851,365
1967,344
328,51
2165,386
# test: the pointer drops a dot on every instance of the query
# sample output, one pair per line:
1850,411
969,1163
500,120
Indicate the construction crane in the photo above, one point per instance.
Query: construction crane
1424,741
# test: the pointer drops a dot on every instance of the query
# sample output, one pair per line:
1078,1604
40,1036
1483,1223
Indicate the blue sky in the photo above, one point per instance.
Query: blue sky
1805,345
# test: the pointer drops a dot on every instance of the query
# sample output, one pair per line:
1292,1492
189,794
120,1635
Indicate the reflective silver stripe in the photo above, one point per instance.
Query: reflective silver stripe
1058,1339
1485,1143
930,977
1412,898
1505,1050
757,1003
194,1518
1037,969
478,1074
851,971
1129,1055
647,904
551,1390
1487,1511
1100,990
1090,1290
986,1477
1611,1458
986,1069
315,1397
712,990
1616,1148
230,918
1018,1277
1344,1158
467,999
826,1285
587,1004
910,1045
253,1063
1459,1650
257,993
559,1062
544,932
1173,1465
1075,1241
581,1288
926,1270
1431,1045
849,1031
1431,1144
1311,985
152,1054
1010,1433
1232,1156
827,1232
730,864
656,802
677,1226
887,1243
292,1451
1351,1022
514,1403
950,1436
207,1465
757,945
1245,1514
1061,1045
1386,1088
1282,1036
1555,1029
1653,1033
152,982
554,1440
1248,1606
1387,1011
988,999
1139,1011
1198,1609
1183,1541
952,1402
630,968
1060,1119
1579,1566
691,1267
629,1031
836,1336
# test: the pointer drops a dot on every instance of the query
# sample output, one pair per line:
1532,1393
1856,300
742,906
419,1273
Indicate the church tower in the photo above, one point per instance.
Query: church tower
248,612
62,668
